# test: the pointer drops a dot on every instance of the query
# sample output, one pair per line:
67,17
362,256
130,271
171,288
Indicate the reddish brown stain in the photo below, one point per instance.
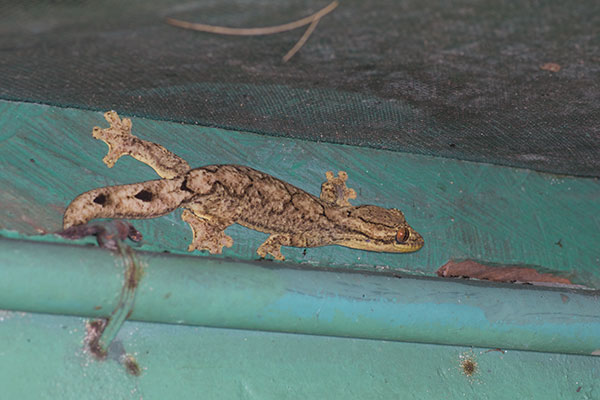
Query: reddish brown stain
474,270
469,365
131,365
496,349
94,331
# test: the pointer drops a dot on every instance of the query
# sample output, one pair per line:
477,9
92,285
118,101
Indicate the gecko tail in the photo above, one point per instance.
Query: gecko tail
143,200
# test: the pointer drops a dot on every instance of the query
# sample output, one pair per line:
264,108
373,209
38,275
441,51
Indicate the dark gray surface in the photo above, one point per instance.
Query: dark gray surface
457,79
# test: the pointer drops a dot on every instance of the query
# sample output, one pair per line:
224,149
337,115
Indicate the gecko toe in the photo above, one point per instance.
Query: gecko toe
109,161
216,250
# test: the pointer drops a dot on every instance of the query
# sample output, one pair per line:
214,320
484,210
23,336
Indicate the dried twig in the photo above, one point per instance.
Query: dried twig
302,40
311,21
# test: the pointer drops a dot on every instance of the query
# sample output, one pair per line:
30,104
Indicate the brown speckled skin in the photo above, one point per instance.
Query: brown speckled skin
216,196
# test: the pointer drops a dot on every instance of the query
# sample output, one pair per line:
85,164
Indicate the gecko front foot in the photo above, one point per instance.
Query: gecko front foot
335,191
117,137
207,236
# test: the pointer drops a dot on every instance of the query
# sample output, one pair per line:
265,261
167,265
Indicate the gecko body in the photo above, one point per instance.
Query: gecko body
216,196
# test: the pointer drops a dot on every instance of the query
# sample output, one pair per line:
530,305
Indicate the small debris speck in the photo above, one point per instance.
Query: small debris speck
552,67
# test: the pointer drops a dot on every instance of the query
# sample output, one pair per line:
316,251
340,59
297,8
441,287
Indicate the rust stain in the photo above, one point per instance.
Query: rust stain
474,270
94,331
468,365
131,365
496,349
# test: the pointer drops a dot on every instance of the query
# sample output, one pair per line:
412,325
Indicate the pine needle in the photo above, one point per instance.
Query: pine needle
311,21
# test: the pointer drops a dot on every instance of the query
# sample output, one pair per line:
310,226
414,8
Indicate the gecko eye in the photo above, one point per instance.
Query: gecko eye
402,235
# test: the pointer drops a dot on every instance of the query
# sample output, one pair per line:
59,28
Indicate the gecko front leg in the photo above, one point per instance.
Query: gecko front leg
335,191
208,234
122,142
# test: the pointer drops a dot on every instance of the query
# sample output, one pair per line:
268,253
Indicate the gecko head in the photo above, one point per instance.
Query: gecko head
379,229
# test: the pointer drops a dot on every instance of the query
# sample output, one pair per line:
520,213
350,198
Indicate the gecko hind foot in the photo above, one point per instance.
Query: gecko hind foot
272,246
335,191
207,236
122,142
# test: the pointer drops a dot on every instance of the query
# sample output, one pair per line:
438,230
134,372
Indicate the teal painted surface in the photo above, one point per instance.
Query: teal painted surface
86,281
43,357
464,210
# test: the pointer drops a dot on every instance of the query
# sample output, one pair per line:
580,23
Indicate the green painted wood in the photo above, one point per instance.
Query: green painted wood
186,362
464,210
269,297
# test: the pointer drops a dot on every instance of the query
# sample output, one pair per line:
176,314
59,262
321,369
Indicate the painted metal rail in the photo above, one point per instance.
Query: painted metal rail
87,281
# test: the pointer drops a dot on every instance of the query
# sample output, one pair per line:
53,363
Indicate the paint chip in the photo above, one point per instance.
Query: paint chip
552,67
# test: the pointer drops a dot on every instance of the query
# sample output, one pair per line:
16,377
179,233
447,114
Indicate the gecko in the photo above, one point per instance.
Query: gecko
214,197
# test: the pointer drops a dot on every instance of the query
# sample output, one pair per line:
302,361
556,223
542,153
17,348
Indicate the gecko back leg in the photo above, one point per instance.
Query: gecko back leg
121,142
273,245
208,234
335,191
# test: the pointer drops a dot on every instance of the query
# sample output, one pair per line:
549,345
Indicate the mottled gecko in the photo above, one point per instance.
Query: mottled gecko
216,196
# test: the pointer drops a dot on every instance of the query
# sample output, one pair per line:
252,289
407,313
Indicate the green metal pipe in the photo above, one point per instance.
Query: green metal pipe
87,281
